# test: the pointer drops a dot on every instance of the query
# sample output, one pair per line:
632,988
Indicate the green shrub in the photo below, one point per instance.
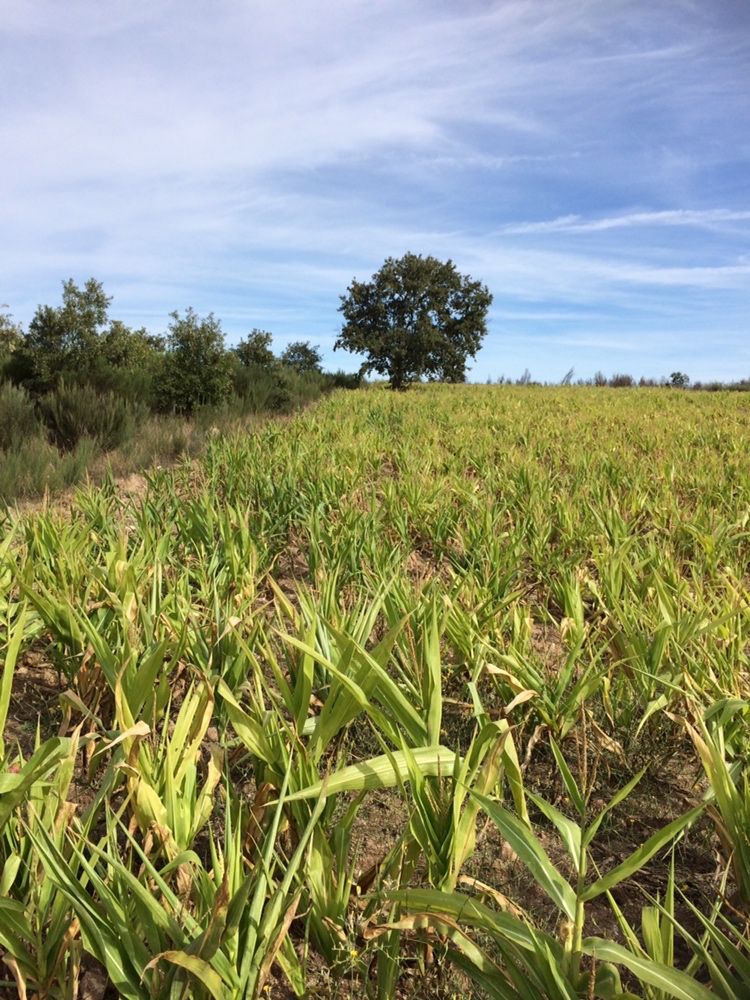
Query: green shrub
195,370
276,390
27,469
138,385
255,350
74,465
37,466
259,390
300,389
75,412
18,418
343,380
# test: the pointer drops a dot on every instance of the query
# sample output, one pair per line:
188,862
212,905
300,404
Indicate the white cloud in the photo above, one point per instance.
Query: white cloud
707,218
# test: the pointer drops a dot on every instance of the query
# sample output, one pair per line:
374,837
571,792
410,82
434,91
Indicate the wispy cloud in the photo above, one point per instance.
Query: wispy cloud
701,218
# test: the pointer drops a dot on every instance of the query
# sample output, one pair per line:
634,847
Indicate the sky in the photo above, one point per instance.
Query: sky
588,160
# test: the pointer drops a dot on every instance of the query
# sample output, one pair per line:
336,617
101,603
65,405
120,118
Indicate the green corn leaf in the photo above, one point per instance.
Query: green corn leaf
15,631
196,967
528,848
385,771
13,920
568,830
14,787
99,931
590,832
641,856
671,981
433,682
569,781
248,730
470,912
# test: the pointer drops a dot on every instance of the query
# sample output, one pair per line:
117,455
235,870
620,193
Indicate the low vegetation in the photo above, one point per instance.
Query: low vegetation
413,695
81,392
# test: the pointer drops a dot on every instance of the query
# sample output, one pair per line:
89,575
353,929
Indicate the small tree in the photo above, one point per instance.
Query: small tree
255,350
679,380
197,369
417,317
65,340
11,337
122,347
129,362
302,357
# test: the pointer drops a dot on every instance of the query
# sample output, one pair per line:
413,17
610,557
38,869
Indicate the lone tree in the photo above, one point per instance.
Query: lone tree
417,317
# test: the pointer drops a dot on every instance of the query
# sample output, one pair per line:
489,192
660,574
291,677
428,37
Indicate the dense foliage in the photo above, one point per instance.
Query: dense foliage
197,369
434,694
254,351
302,357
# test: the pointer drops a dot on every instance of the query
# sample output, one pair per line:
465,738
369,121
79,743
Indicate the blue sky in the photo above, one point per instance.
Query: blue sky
588,160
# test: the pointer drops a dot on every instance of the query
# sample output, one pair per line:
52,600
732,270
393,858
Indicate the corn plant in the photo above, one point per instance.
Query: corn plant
729,802
411,603
38,934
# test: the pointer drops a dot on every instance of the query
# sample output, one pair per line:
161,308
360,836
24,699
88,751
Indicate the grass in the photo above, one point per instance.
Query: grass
439,693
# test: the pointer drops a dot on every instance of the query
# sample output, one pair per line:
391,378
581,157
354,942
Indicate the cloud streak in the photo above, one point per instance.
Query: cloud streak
705,218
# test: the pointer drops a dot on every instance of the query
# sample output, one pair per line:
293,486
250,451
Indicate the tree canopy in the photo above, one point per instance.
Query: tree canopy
76,342
197,368
417,317
11,336
254,351
65,339
303,357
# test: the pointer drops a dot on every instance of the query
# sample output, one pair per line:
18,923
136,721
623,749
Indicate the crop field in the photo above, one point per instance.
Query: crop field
443,693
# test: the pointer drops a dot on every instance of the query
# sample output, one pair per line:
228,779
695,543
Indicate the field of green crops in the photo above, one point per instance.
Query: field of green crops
434,694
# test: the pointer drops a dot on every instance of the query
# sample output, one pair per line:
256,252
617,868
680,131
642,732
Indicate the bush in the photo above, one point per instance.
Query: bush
621,381
277,390
74,412
18,418
37,466
196,370
11,337
136,384
255,350
28,469
64,341
344,380
295,390
256,388
262,395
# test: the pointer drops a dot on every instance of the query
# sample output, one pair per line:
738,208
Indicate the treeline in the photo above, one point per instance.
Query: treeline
621,380
77,384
